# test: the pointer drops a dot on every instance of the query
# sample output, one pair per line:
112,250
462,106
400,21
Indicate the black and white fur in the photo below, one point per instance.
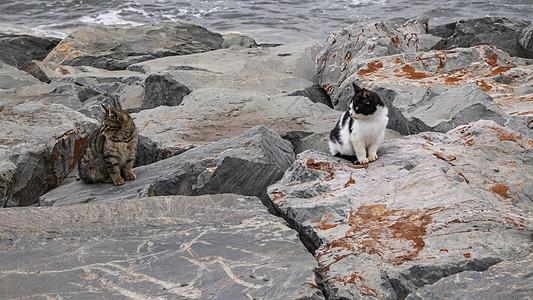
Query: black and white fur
361,129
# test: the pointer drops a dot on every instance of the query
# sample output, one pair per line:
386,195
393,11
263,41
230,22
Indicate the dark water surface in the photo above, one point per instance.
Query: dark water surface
266,21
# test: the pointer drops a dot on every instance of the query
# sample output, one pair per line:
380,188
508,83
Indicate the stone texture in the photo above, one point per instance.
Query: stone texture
18,49
115,47
418,83
344,51
246,165
269,70
11,78
437,108
39,146
506,280
431,206
505,79
232,39
503,33
163,90
207,247
208,115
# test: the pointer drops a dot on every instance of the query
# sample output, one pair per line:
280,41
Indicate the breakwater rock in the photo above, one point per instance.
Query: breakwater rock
231,131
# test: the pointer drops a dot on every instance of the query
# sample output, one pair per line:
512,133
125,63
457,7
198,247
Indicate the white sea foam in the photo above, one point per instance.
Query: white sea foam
109,18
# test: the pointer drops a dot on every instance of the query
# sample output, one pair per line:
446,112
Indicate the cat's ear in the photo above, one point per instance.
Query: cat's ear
105,109
356,88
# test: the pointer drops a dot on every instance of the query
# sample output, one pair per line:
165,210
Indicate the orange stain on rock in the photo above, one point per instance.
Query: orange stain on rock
411,73
396,236
371,68
323,225
501,190
350,182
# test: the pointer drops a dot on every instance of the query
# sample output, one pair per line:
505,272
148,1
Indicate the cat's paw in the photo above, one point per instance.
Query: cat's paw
363,161
372,157
118,181
129,175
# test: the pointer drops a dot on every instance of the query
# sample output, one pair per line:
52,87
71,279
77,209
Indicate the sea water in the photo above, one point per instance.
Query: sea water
265,21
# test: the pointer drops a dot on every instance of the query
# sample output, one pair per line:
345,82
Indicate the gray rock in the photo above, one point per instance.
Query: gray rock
115,47
437,90
11,78
246,165
437,108
431,206
525,42
506,280
163,90
232,39
344,51
208,115
208,247
18,49
39,146
272,71
504,33
355,55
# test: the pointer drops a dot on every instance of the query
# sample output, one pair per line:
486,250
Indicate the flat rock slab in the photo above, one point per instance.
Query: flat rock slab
432,205
211,114
207,247
269,70
246,165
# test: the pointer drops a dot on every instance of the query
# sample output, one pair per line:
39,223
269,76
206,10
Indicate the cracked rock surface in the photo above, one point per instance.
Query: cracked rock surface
176,247
431,206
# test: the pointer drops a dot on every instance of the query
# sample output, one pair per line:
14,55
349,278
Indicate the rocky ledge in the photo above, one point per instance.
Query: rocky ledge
236,196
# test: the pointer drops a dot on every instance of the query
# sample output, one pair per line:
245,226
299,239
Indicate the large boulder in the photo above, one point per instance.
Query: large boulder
508,34
345,50
40,146
506,280
208,115
278,70
115,47
437,108
18,49
246,165
431,206
418,83
176,247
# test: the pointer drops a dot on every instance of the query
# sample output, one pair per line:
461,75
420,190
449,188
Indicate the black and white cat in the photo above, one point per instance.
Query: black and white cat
361,129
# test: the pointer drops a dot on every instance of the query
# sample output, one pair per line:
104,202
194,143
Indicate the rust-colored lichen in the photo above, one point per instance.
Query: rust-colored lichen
464,177
447,158
483,85
324,224
396,236
370,69
350,182
320,166
78,146
410,73
501,190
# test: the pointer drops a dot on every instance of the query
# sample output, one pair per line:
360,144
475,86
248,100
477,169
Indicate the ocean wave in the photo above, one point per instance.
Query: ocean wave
108,18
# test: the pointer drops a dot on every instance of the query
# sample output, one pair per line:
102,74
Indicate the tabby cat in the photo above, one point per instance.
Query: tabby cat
109,153
361,129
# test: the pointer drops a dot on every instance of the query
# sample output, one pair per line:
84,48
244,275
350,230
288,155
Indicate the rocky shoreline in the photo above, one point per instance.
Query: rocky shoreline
236,195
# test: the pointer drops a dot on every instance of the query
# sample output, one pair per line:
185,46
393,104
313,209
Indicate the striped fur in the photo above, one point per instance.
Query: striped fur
109,153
